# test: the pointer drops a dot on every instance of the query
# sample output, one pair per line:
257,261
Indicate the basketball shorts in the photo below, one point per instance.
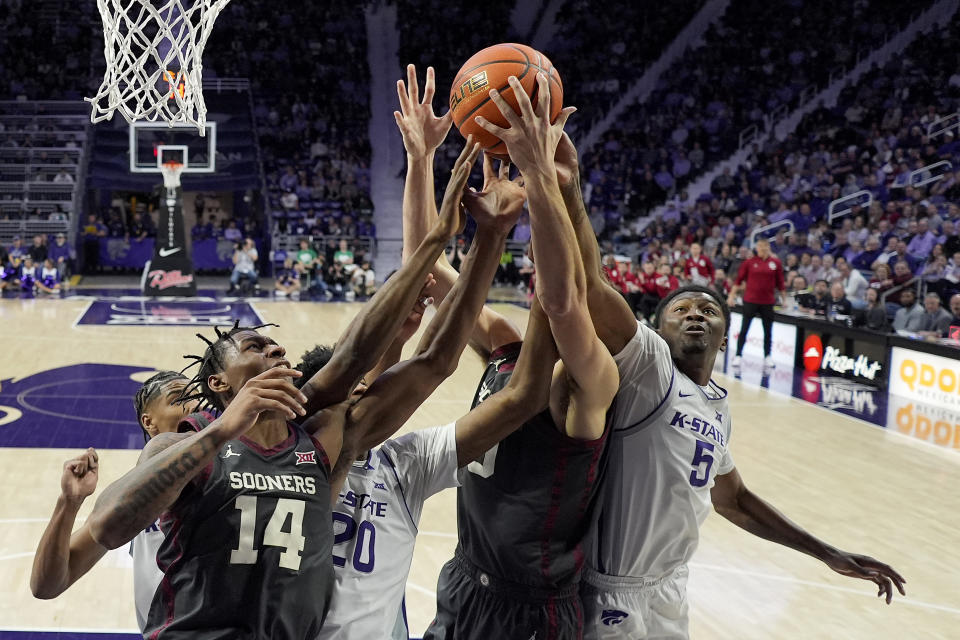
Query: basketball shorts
635,608
473,604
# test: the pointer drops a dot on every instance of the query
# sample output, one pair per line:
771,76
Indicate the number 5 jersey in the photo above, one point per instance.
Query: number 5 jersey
670,439
247,547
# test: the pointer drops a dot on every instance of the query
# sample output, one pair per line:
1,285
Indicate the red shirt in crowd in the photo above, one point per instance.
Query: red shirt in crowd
666,284
764,277
648,283
702,265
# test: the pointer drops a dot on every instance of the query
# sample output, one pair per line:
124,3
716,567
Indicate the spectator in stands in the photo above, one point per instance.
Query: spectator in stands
865,259
854,284
337,280
17,251
933,321
949,238
143,227
344,256
904,256
232,233
666,281
955,314
288,279
923,241
838,307
38,251
244,264
815,303
6,268
697,268
363,280
521,232
830,272
92,232
62,256
908,309
874,313
306,255
720,282
63,176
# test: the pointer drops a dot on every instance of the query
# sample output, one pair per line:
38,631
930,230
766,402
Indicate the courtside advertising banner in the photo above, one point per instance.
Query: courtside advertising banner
926,422
933,380
752,371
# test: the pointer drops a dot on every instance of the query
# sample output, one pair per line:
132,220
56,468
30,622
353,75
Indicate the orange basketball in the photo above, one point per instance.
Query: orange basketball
489,69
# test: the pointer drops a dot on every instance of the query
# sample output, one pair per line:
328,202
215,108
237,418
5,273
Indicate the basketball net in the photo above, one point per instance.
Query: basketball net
153,50
171,174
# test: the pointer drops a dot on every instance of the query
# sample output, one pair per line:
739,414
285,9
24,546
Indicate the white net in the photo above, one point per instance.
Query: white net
171,174
153,50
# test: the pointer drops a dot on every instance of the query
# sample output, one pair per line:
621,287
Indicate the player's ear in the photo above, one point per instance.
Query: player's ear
218,383
723,344
146,421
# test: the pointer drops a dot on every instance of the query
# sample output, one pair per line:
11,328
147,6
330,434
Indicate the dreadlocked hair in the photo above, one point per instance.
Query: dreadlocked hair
211,363
149,391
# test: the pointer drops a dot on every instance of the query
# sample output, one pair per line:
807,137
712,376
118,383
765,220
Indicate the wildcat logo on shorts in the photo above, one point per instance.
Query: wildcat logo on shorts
611,617
306,457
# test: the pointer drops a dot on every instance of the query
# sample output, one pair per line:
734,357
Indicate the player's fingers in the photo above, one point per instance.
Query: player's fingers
91,462
414,91
267,397
472,157
268,404
284,386
429,86
93,452
504,169
80,468
489,127
543,96
564,115
512,118
488,173
402,95
274,373
523,100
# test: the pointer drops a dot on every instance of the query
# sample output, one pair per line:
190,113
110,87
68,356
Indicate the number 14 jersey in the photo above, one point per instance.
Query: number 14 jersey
670,439
247,547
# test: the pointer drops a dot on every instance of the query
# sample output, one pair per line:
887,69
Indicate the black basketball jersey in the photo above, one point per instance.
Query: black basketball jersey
523,508
248,546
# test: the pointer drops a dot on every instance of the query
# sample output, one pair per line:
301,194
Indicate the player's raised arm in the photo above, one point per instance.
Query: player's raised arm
612,317
561,284
172,460
422,133
396,394
735,502
526,394
61,558
373,329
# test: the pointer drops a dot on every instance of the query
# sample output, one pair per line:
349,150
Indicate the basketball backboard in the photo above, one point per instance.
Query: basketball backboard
153,143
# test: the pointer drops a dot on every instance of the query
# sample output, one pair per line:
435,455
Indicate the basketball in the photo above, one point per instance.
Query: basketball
489,69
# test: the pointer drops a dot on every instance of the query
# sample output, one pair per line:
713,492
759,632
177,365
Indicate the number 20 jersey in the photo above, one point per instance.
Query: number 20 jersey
247,547
669,440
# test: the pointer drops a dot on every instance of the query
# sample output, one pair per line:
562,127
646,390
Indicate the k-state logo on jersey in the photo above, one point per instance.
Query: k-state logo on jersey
306,457
611,617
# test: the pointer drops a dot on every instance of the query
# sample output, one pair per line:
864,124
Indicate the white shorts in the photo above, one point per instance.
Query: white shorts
620,607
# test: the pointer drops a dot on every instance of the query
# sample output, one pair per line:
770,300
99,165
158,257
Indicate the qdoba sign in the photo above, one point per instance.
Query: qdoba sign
934,380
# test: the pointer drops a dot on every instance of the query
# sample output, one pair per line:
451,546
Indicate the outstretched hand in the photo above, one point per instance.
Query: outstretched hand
80,475
499,205
867,568
568,164
424,300
421,129
531,139
452,217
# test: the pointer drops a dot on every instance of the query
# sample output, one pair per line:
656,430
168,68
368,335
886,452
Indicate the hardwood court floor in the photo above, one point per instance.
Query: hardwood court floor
857,486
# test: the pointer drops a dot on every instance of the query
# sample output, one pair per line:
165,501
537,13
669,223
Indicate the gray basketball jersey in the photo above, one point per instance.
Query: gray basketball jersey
146,573
375,524
670,440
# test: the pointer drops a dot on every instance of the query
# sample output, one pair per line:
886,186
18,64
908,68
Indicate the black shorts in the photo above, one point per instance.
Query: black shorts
472,604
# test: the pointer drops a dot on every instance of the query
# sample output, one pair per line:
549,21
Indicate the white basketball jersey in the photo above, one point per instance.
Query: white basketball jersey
669,440
146,573
375,526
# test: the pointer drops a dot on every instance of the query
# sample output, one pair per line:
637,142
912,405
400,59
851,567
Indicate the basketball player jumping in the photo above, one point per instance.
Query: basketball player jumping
61,558
253,477
518,577
669,459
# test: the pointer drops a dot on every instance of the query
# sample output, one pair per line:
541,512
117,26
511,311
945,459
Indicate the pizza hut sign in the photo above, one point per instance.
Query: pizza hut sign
861,366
